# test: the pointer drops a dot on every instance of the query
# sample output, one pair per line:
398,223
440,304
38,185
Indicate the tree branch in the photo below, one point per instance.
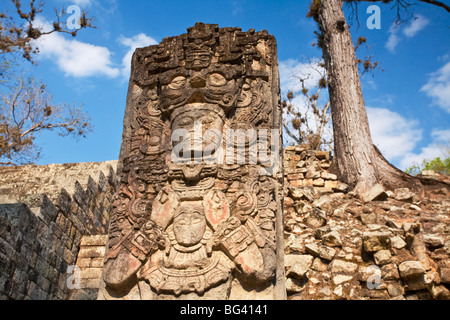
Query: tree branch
9,163
404,4
438,3
290,133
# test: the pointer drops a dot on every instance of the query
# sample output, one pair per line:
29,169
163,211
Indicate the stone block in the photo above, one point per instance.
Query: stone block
328,176
395,289
332,239
341,266
327,253
299,269
293,285
376,241
319,182
316,218
90,283
433,241
342,187
96,263
331,184
83,262
382,257
444,274
318,265
96,240
339,279
92,252
91,273
410,269
397,242
376,193
303,260
403,194
295,176
296,183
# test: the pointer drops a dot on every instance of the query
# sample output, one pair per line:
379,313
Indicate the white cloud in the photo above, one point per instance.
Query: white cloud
137,41
441,136
292,69
438,87
81,3
80,59
415,25
418,23
397,138
394,135
75,58
236,8
393,38
392,42
436,148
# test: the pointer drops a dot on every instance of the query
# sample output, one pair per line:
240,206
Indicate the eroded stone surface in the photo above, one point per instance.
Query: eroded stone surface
187,223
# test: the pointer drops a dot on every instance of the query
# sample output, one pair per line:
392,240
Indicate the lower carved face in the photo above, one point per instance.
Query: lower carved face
189,225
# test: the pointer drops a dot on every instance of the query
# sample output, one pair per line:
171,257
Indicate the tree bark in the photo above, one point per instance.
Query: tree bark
358,161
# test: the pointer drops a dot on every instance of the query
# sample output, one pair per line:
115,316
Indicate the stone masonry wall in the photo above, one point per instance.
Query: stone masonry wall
44,213
380,245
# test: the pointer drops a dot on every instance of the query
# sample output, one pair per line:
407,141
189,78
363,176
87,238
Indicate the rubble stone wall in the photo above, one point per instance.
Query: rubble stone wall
380,245
44,212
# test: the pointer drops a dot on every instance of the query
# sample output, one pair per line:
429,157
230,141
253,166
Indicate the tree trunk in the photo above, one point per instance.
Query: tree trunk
358,161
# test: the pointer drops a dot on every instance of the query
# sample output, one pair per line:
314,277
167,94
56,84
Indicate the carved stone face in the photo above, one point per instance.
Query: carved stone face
189,225
216,84
198,60
197,129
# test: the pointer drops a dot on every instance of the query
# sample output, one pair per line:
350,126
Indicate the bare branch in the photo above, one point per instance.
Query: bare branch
437,3
34,113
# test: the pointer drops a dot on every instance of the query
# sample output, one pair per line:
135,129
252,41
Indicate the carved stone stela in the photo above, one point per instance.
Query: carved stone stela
208,226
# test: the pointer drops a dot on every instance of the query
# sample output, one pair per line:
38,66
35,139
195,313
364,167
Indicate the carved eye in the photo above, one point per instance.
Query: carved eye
183,222
197,220
177,82
217,80
185,122
154,141
207,120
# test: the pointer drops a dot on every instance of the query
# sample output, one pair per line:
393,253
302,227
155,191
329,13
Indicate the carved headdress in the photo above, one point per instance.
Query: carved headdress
206,65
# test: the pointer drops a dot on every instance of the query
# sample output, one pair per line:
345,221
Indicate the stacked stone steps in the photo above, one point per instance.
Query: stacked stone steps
16,182
46,211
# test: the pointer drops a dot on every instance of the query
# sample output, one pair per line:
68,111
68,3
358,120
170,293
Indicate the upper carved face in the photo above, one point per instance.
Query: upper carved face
216,84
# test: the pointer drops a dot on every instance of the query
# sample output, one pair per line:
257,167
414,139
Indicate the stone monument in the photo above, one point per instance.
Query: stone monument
198,213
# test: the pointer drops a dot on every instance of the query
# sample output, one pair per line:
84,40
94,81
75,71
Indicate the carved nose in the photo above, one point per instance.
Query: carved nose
198,82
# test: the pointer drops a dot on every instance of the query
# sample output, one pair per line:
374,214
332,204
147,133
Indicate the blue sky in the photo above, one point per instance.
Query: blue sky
408,103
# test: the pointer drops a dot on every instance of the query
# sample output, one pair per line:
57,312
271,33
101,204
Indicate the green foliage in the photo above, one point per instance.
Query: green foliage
437,165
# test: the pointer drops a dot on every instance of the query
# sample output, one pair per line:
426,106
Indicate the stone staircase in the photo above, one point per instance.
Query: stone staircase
44,213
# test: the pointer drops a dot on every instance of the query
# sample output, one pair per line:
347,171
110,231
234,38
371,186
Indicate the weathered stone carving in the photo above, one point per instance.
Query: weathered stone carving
198,213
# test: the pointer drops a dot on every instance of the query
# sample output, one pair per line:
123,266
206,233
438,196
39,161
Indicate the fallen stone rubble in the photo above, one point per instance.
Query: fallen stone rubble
380,245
